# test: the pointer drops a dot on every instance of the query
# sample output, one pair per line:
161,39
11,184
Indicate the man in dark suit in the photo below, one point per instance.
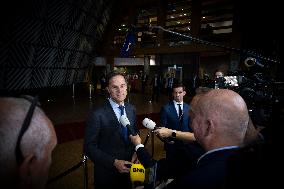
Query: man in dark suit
180,155
106,140
219,121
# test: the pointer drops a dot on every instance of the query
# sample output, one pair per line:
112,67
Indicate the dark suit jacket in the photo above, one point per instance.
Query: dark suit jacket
210,172
104,141
169,118
180,156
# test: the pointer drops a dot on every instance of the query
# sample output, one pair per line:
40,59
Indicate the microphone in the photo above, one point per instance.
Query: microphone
137,174
126,123
149,124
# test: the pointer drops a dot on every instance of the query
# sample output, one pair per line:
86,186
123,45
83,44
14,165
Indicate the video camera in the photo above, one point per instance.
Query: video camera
260,91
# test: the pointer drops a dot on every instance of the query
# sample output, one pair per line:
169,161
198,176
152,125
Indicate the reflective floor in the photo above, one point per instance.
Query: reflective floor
68,111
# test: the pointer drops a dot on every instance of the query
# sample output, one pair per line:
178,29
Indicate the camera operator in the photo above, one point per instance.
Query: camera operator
219,81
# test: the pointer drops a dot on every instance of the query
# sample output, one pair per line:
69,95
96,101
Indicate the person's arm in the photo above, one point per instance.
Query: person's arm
166,132
143,156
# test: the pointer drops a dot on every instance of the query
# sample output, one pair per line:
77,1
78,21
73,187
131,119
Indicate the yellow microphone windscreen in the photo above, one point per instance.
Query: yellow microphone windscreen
137,173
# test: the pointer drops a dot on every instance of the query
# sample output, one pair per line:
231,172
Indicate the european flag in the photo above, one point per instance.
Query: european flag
128,44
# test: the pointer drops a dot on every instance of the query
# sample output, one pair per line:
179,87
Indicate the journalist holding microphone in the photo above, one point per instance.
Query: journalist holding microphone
107,141
219,121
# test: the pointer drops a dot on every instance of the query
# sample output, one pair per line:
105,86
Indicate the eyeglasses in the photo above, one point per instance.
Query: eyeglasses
25,126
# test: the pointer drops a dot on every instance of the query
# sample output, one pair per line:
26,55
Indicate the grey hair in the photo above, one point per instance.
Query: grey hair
12,114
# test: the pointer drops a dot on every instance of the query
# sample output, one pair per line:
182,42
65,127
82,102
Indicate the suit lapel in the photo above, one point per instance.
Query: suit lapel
173,109
111,113
119,126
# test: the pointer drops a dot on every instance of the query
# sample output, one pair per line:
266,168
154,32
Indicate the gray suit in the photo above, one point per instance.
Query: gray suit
104,143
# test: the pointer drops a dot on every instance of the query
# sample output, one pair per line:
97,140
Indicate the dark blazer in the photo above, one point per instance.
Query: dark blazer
180,156
210,172
169,117
104,142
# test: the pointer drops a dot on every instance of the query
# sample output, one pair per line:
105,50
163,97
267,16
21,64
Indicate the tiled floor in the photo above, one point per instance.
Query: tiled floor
67,113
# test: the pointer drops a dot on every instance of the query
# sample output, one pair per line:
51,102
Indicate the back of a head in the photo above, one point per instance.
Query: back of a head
39,136
199,93
228,110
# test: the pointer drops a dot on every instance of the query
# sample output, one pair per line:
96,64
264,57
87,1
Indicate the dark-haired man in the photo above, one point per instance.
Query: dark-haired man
180,155
106,140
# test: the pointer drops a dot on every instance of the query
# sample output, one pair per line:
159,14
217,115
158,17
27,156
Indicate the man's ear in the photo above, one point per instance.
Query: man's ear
26,170
209,127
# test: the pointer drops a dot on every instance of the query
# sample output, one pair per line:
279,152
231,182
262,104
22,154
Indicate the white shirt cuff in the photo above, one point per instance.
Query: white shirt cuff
138,146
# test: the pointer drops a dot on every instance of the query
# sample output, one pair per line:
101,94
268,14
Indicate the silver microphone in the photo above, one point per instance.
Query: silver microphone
126,123
149,124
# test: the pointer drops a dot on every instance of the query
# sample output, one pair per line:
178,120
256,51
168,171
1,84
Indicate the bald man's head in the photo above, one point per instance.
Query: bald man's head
224,103
226,111
37,142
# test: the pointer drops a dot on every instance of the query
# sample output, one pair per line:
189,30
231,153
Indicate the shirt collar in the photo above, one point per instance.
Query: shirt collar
113,103
215,150
176,103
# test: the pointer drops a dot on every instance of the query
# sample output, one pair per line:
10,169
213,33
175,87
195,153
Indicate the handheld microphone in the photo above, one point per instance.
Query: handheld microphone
126,123
137,172
149,124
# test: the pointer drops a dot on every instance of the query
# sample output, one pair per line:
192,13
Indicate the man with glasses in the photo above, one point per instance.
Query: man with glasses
107,142
27,139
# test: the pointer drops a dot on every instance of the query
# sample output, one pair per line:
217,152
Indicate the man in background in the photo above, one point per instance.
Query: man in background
219,81
27,141
180,155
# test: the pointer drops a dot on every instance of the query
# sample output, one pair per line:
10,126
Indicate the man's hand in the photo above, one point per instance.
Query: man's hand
163,132
122,166
135,139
